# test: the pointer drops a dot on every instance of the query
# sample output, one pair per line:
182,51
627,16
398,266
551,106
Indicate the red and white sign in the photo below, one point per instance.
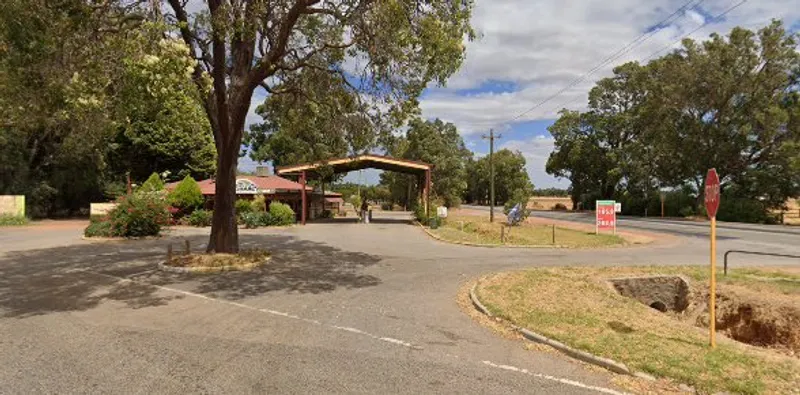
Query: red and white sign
712,193
605,215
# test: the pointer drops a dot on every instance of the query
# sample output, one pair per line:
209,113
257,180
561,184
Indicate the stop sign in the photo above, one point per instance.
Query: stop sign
712,193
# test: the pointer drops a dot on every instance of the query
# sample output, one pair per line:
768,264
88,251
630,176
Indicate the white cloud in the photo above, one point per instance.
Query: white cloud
536,151
542,46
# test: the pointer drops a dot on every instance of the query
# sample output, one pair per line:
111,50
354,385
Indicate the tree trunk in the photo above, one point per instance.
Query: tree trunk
224,232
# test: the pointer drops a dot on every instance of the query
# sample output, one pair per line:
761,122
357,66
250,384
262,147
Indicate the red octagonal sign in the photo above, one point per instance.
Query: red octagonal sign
712,193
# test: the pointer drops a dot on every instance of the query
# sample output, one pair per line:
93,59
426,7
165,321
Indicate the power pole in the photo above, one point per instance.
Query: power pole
491,137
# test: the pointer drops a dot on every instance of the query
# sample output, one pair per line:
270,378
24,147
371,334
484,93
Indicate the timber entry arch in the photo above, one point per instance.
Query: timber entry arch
344,165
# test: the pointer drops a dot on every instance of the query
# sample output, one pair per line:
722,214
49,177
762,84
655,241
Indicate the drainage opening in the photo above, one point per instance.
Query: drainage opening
663,293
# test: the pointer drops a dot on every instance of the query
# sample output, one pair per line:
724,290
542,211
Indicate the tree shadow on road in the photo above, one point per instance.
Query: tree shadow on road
80,277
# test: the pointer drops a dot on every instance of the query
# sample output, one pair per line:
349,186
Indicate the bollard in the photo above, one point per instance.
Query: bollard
169,252
554,234
502,234
187,249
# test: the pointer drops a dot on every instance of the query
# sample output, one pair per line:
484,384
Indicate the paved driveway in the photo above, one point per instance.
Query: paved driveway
340,308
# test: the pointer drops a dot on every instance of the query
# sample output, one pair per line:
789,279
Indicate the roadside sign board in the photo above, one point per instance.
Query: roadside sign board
617,207
605,215
712,193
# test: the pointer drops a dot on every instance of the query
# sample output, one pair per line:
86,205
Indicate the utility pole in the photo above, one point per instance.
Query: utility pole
491,138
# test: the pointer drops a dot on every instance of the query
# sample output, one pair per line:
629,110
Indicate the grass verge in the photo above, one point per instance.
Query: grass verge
13,220
577,307
478,230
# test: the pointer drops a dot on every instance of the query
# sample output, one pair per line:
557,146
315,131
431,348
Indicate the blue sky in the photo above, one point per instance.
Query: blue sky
527,51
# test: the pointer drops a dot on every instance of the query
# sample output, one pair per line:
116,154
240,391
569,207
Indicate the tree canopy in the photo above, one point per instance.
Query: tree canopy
729,103
511,177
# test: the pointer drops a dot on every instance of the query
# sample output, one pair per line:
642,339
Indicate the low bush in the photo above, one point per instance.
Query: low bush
186,196
327,214
138,215
281,214
200,218
242,207
254,220
560,207
687,211
12,220
98,228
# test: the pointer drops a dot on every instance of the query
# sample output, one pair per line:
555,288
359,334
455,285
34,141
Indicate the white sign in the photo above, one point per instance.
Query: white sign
617,207
246,187
441,212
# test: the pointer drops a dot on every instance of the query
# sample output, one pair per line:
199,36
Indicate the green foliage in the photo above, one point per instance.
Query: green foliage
728,103
99,228
243,206
200,218
255,219
152,184
281,214
186,195
12,220
258,204
139,215
556,192
510,176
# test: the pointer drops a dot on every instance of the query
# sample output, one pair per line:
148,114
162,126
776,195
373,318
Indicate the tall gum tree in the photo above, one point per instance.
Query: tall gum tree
385,50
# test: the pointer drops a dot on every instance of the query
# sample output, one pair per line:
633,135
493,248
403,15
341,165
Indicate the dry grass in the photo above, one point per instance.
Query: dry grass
577,306
244,259
478,230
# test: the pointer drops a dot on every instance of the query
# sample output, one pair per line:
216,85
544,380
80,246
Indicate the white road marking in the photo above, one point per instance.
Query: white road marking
552,378
360,332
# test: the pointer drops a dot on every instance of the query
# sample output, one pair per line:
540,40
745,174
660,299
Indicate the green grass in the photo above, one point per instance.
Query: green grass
12,220
478,230
577,307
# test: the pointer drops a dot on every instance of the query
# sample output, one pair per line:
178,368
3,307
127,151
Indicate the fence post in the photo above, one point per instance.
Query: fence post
169,252
502,234
187,249
554,234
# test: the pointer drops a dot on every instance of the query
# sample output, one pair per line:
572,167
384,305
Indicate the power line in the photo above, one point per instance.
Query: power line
622,51
710,20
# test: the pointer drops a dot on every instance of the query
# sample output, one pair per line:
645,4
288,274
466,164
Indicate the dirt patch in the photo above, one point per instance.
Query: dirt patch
245,259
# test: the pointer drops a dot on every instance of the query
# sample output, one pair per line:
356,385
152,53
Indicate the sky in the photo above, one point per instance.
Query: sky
528,51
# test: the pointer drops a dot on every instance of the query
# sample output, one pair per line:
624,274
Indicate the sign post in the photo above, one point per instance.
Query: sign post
605,216
712,204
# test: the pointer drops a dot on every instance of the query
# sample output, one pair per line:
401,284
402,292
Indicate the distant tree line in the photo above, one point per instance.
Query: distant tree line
729,103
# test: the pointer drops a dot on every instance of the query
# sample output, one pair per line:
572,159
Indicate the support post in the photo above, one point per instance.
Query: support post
712,293
428,192
491,137
303,198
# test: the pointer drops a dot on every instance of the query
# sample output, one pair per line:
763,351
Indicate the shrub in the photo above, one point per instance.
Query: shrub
186,196
281,214
258,204
560,207
387,206
137,215
253,220
99,228
419,213
153,184
327,214
12,220
519,197
200,218
687,211
242,207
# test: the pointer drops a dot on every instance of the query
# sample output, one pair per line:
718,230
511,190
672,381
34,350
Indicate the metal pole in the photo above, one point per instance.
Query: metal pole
491,138
712,320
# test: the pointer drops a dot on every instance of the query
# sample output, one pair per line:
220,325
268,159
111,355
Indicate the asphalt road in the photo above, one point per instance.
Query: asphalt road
341,308
730,236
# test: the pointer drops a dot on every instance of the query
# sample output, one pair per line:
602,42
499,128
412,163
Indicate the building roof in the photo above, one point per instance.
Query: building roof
266,184
344,165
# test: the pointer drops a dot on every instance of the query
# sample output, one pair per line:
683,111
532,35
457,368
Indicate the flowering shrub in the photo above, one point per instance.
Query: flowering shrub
139,214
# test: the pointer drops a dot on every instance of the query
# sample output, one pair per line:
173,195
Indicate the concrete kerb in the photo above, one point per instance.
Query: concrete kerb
606,363
210,269
466,243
